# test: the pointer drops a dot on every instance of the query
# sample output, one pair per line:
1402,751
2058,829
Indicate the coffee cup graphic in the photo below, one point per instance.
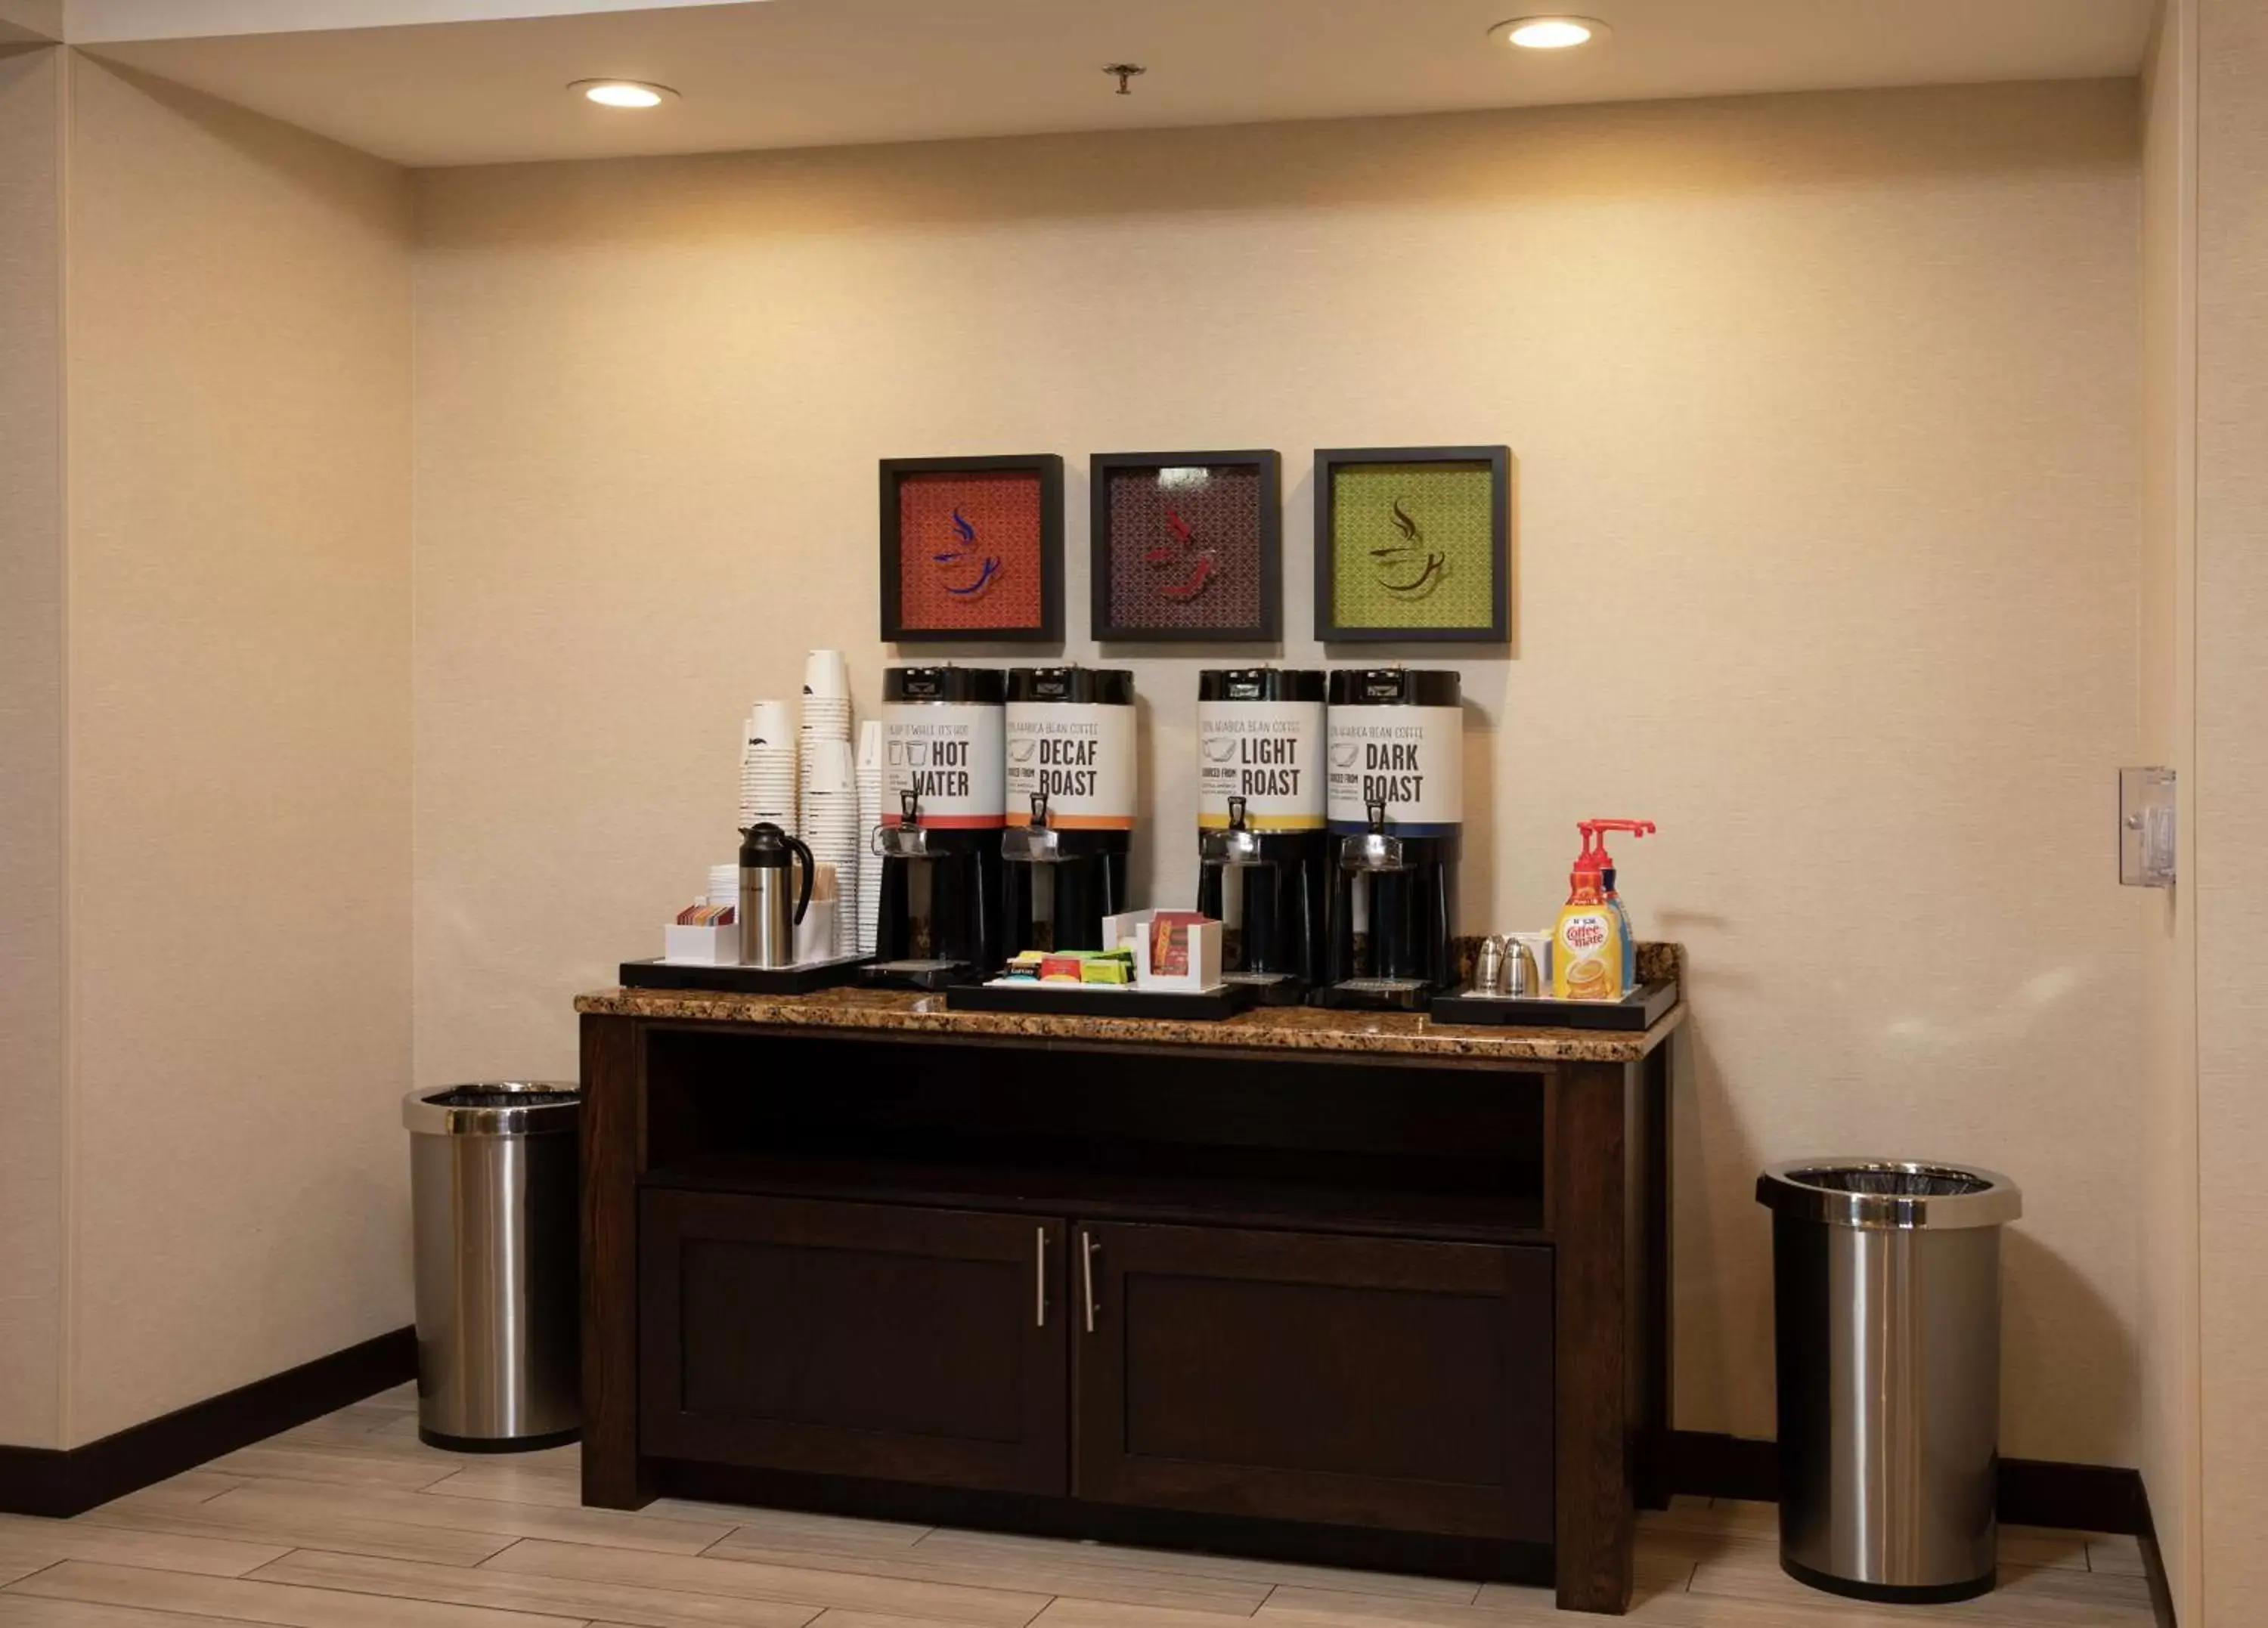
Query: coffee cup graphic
1587,979
1344,753
1023,749
1220,749
963,566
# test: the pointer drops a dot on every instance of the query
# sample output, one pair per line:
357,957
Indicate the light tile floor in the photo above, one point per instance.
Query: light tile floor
351,1522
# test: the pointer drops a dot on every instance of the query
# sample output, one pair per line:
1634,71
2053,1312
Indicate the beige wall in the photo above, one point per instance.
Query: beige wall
2232,749
31,745
2171,1441
1825,410
239,731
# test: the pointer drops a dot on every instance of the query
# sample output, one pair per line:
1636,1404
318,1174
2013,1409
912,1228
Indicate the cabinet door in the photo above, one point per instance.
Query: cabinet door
853,1340
1361,1381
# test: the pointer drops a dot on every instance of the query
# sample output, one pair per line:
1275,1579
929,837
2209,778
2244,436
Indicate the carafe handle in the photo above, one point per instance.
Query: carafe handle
810,872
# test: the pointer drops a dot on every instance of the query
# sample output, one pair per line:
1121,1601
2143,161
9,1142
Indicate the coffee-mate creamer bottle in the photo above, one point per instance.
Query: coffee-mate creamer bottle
1593,957
1587,948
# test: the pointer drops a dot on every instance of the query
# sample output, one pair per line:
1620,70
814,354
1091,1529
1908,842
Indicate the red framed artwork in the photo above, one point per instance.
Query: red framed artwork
972,549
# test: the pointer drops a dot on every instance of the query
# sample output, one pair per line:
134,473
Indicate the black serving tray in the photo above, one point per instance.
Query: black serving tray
1375,994
1635,1012
1272,988
743,980
1067,999
931,975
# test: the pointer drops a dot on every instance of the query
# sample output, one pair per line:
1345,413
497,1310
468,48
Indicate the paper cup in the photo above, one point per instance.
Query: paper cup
824,673
771,722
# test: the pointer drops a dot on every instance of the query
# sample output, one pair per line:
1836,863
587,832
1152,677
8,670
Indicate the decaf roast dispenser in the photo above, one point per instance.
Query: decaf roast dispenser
1264,854
1396,803
943,805
1071,790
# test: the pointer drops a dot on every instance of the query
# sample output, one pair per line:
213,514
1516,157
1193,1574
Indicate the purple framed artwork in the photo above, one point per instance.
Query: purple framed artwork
1187,546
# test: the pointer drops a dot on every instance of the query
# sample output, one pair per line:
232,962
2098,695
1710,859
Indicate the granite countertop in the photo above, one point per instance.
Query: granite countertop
1304,1029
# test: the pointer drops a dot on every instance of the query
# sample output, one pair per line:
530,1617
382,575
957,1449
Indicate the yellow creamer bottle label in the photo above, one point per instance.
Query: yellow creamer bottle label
1586,953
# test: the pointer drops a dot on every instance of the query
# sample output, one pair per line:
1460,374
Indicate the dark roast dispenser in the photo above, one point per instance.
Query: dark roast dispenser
938,845
1070,798
1396,796
1264,853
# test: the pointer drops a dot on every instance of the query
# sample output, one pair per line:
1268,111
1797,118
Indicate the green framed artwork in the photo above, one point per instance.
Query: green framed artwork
1413,543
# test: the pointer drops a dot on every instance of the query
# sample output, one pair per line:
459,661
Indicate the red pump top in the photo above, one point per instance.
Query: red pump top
1594,866
1586,884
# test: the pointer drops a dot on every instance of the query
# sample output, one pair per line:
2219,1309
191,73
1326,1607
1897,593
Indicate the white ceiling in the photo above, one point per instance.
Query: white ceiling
795,73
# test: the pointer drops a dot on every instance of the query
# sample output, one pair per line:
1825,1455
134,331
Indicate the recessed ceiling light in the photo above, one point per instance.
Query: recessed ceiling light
1550,34
623,93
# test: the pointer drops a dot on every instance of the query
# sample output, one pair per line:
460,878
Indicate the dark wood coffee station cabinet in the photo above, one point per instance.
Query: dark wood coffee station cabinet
1354,1288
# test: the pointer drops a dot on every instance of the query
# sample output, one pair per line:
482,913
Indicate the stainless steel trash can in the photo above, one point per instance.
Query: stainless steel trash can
492,1187
1886,1278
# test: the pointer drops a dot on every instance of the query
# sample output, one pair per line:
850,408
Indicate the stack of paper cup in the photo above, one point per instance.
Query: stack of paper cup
870,816
768,768
724,885
830,803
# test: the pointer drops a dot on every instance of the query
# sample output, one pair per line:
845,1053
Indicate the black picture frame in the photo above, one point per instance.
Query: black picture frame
1267,629
1046,469
1497,628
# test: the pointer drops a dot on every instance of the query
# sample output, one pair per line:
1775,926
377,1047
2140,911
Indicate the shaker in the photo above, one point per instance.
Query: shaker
1488,967
1523,980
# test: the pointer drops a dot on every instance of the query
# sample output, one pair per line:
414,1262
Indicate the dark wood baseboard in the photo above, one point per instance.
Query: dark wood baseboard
2153,1562
1703,1463
50,1481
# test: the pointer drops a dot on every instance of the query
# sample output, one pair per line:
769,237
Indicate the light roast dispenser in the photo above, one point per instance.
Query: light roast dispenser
1264,853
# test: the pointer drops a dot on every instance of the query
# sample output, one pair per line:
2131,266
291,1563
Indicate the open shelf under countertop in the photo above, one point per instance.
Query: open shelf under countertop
1476,1216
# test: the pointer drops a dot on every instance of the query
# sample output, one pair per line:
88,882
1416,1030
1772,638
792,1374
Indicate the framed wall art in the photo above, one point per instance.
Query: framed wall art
1187,546
1413,543
972,549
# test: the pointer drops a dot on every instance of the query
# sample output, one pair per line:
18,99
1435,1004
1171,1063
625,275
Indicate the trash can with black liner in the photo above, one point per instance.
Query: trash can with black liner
492,1180
1886,1277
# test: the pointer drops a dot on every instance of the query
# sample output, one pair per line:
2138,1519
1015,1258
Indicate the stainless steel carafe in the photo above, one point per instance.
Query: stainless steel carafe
770,907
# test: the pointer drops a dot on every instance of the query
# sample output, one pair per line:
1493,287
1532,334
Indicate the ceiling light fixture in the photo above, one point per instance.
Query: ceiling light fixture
623,93
1550,34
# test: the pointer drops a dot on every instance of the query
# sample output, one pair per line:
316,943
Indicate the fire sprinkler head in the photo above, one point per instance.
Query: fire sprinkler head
1124,71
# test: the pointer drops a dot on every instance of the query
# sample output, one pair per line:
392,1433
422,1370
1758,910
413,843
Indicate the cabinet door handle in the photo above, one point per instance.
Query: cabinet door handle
1040,1283
1086,1271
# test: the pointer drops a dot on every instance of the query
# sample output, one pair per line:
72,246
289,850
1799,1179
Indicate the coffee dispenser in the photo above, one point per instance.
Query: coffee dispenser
1264,854
1396,791
1069,805
940,840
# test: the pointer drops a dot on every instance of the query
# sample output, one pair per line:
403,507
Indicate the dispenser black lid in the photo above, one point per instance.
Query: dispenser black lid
984,686
1394,686
1261,684
1107,686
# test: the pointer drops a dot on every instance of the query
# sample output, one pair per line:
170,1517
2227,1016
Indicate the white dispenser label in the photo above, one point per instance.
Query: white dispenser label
1411,758
1270,753
1081,754
949,754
